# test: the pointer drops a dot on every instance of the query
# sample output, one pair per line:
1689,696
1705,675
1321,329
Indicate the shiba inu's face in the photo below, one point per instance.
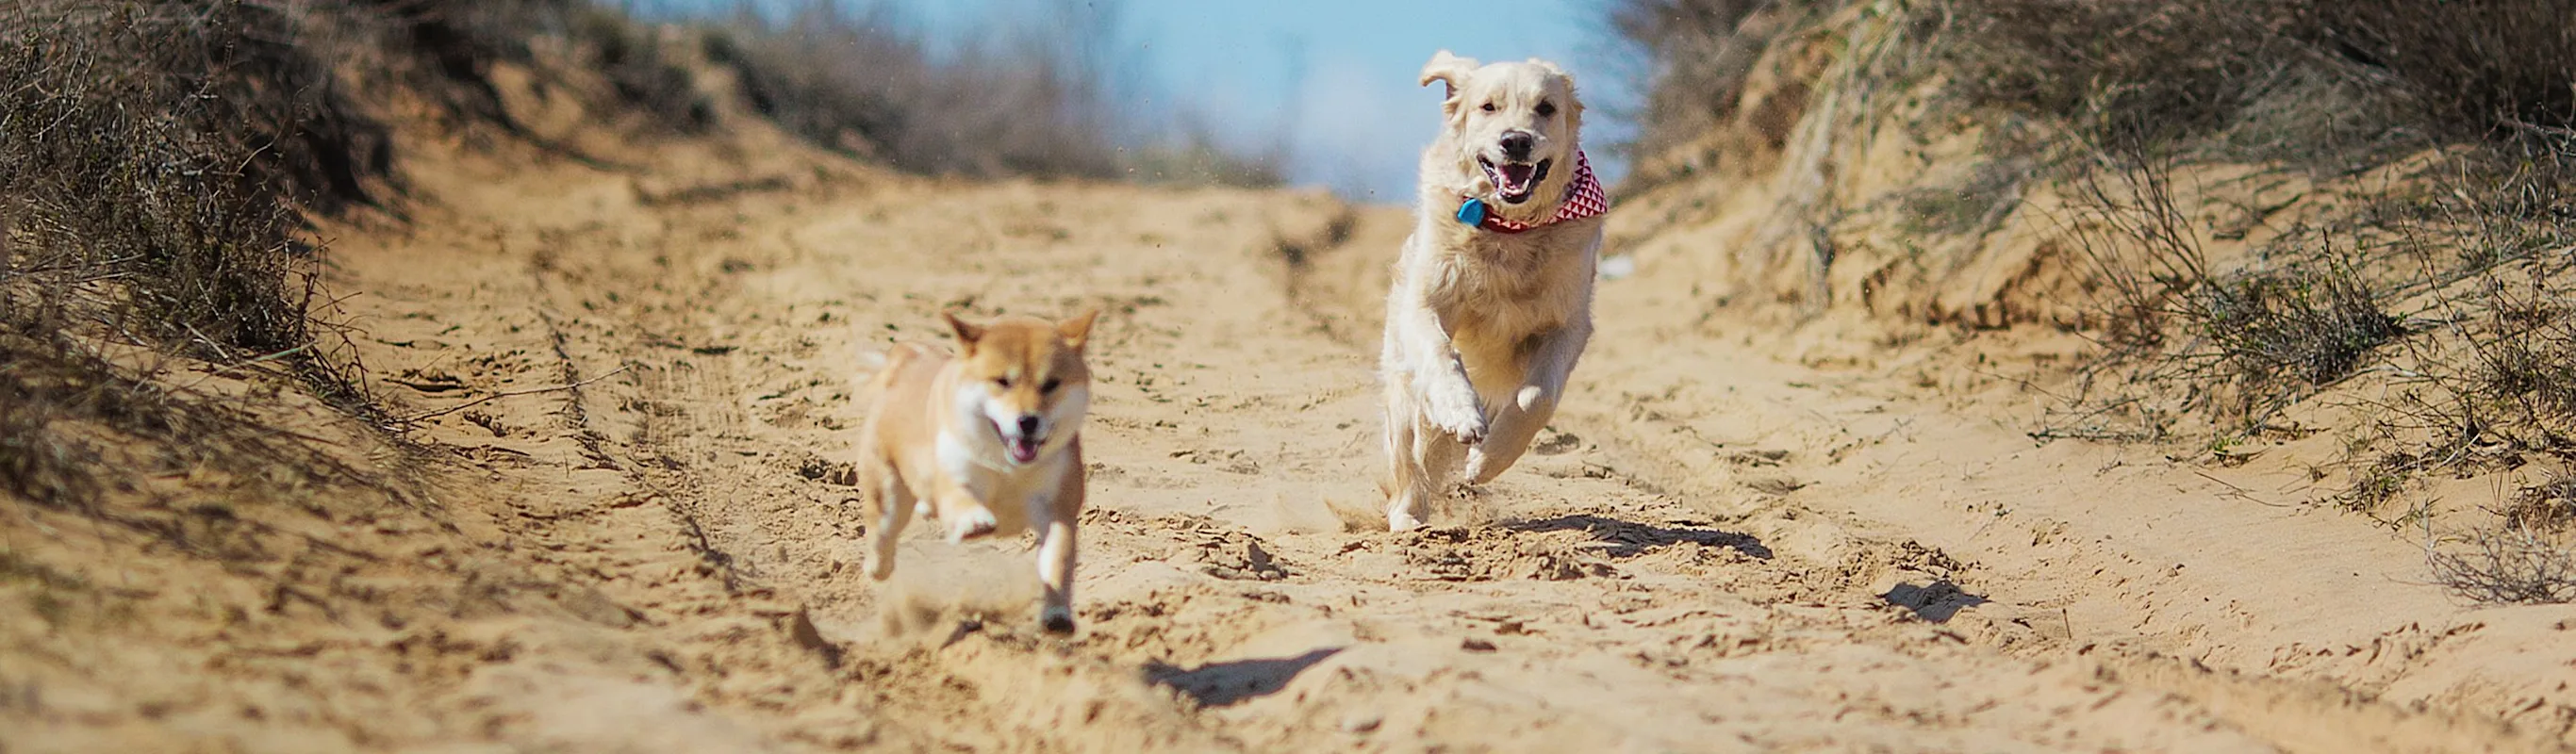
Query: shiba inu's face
1023,379
1512,124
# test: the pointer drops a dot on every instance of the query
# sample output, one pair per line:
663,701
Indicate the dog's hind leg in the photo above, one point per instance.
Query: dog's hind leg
1426,461
1518,416
1406,502
1515,424
1419,457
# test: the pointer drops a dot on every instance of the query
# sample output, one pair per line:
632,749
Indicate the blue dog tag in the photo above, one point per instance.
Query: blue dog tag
1472,212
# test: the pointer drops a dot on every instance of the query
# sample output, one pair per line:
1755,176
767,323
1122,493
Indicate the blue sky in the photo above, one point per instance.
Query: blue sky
1332,80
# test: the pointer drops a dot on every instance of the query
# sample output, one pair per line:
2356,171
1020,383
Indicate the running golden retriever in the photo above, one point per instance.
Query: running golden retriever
1492,300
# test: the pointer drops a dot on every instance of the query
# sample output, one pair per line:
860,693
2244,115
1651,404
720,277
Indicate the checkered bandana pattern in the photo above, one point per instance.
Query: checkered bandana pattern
1584,198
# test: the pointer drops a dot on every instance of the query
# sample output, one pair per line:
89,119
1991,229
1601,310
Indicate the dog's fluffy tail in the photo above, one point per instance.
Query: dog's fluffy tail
872,364
876,368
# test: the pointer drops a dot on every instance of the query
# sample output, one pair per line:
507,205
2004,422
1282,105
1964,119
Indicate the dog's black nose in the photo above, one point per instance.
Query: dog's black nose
1028,425
1517,145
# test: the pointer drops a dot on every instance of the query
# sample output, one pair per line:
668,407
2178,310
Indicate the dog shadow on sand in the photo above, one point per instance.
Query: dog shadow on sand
1220,684
1629,538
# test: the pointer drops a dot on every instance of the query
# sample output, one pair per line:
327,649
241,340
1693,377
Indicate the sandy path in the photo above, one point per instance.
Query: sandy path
1712,550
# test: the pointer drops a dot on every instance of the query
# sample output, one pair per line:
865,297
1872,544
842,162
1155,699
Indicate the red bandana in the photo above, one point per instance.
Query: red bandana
1582,199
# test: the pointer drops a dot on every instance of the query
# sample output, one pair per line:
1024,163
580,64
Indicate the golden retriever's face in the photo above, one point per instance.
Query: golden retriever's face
1514,125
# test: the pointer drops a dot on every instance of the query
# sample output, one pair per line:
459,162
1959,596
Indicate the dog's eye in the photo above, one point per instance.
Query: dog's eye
1546,109
1489,107
1050,385
1002,382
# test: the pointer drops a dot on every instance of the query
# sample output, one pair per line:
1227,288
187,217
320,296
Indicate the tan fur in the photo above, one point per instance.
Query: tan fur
1483,328
940,437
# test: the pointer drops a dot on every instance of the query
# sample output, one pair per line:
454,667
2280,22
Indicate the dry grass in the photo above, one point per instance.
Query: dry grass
2181,336
1694,56
1040,99
2294,79
2327,85
2314,323
2133,93
2482,68
156,158
155,162
2125,69
2509,564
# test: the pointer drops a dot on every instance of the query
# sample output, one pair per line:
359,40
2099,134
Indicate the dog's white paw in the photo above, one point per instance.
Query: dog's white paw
1400,520
880,567
1455,412
1529,396
972,524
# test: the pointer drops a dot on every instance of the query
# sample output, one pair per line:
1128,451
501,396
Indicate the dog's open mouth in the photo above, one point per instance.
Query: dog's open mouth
1022,449
1514,182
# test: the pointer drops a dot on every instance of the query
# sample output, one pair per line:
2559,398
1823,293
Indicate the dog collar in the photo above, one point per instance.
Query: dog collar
1584,198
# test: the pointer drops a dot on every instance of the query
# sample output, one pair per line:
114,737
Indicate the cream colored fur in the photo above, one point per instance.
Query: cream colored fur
1483,328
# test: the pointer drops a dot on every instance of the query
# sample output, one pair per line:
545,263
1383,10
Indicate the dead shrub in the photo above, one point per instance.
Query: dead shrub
2477,68
2234,346
153,158
2123,69
643,74
2509,564
2280,78
1035,100
2549,506
445,51
2533,370
1694,56
155,161
2314,324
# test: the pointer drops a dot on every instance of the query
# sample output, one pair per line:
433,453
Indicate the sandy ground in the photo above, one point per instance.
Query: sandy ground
1720,545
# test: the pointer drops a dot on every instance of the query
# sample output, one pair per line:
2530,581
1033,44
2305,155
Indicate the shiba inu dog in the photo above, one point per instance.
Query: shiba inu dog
1492,300
986,442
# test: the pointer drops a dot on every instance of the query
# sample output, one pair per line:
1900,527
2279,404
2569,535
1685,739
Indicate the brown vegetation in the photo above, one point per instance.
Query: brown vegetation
2448,275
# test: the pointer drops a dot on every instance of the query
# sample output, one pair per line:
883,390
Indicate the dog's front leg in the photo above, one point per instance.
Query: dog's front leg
1542,387
963,512
1448,399
1056,555
1056,514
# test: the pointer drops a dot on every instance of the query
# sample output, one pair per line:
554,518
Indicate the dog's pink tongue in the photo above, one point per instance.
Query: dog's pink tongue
1024,451
1516,176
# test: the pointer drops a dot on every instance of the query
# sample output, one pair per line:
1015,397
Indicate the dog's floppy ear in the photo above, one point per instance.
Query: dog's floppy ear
1450,70
1076,330
967,332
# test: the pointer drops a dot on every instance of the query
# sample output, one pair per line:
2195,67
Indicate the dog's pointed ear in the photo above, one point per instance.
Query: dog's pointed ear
1076,330
967,332
1450,70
